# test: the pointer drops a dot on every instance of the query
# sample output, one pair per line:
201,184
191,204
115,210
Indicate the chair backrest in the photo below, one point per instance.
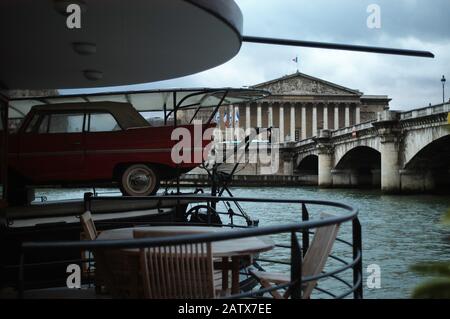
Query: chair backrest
318,252
88,226
178,272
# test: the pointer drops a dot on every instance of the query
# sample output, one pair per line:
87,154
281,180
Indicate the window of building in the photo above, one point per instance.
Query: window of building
103,122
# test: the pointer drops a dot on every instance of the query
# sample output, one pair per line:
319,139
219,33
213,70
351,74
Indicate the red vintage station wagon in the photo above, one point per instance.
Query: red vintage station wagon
85,143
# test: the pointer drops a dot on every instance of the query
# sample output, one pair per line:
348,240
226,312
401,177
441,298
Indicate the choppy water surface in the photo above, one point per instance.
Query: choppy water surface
398,231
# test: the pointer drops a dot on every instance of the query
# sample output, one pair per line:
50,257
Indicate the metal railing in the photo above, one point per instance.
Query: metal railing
297,246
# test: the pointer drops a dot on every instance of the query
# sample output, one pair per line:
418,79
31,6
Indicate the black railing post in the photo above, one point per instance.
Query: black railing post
209,211
357,252
296,268
88,201
305,233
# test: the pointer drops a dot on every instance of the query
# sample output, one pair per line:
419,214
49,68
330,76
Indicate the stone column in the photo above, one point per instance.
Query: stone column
314,120
336,117
358,114
325,151
259,116
389,132
237,123
347,115
292,122
325,116
281,123
231,122
270,116
287,167
303,122
248,117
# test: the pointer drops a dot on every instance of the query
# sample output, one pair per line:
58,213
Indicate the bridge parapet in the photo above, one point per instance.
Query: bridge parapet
352,129
426,111
303,143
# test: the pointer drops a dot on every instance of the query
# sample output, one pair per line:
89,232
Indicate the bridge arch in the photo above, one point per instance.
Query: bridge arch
429,169
309,165
422,143
360,166
342,149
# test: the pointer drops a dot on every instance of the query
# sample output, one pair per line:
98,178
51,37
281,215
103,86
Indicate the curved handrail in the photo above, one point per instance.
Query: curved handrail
293,228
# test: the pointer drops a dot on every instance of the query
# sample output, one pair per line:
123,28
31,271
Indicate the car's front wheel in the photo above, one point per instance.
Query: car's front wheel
139,180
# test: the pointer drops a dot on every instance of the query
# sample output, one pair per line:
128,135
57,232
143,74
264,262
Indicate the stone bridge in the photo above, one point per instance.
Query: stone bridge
399,152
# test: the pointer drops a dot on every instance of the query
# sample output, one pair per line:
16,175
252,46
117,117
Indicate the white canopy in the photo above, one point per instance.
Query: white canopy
148,101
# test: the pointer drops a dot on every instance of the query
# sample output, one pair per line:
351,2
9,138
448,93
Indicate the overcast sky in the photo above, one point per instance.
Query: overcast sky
410,24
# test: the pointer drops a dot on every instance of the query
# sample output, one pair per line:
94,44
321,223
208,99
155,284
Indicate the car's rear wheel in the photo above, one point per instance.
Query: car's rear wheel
139,180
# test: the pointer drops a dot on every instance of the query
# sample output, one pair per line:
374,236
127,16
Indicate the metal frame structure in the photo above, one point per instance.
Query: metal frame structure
297,247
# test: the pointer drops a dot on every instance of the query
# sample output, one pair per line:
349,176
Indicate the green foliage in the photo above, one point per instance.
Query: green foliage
439,287
446,218
433,269
434,289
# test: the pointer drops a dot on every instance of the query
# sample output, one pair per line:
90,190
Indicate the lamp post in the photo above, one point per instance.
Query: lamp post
443,80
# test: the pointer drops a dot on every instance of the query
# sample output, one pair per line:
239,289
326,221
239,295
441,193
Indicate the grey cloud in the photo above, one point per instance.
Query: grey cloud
410,82
345,20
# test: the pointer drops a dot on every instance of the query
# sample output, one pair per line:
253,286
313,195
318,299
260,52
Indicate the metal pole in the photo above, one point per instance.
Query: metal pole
305,233
296,268
357,250
443,92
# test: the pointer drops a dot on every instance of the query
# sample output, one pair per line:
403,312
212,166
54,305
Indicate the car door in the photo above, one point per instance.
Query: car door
53,150
105,145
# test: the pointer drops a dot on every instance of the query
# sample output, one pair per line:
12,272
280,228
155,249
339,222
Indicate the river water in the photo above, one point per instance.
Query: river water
398,231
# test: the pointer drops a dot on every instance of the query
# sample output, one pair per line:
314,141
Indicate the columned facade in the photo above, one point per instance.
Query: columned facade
301,106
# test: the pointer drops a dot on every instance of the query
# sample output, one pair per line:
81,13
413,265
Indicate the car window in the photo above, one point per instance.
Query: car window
66,123
31,125
43,127
103,122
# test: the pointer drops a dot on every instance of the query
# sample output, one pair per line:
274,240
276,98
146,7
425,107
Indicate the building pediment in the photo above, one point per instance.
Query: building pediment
302,84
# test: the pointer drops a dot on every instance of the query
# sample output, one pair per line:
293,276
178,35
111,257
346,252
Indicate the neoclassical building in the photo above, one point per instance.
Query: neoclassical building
301,105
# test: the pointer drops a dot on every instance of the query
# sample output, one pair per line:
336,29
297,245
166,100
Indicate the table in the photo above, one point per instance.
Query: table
236,249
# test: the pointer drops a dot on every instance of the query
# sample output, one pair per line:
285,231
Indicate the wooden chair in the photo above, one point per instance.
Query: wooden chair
178,272
90,233
87,223
313,262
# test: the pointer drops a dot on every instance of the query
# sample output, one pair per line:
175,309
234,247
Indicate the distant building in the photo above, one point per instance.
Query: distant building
301,105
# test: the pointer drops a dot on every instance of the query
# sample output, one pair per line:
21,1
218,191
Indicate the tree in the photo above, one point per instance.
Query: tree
439,286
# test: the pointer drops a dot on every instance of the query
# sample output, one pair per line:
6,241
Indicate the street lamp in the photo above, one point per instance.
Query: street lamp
443,80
